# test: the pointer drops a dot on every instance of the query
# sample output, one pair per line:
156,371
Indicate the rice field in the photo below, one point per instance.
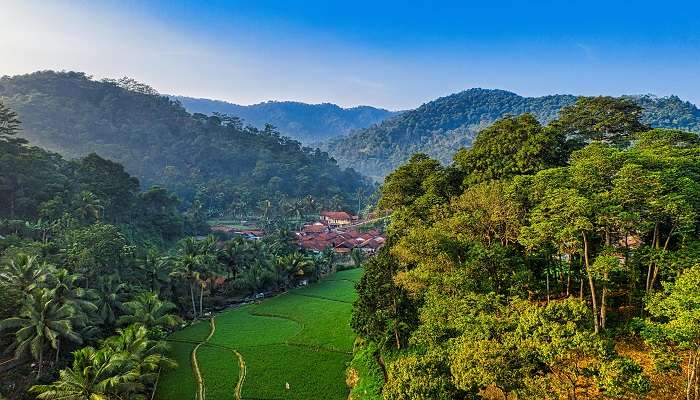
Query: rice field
293,346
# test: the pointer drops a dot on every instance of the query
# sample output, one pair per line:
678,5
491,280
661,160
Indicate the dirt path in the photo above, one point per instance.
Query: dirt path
241,374
201,391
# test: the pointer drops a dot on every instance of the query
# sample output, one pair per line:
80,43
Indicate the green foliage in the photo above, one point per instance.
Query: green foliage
603,118
607,225
123,366
301,338
211,159
308,123
364,373
443,126
511,146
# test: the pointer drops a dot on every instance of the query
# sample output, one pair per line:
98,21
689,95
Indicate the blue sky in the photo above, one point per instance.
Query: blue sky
391,54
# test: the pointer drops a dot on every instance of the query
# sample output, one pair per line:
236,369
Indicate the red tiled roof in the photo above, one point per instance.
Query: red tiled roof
336,215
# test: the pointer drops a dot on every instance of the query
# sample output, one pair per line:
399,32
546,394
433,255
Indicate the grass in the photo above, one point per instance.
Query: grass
310,374
302,338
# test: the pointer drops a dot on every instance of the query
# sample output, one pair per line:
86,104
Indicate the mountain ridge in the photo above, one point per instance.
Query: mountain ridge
306,122
442,126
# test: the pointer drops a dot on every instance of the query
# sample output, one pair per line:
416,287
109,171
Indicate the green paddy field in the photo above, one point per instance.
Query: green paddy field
293,346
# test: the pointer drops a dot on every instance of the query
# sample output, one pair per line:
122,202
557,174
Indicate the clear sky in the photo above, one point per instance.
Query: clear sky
393,54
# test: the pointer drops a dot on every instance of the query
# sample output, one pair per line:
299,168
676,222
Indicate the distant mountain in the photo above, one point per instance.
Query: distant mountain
309,123
219,163
439,128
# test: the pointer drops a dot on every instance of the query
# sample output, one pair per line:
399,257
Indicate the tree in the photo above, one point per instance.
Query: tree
607,119
676,322
23,273
122,368
383,311
147,310
9,122
156,269
405,185
41,321
110,295
511,146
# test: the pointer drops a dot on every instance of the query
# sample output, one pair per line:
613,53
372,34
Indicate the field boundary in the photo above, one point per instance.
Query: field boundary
201,391
322,298
241,374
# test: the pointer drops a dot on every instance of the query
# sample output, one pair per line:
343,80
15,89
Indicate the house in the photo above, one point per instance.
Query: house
336,218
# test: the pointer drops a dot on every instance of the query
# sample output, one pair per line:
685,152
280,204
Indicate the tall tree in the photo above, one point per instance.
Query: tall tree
41,322
607,119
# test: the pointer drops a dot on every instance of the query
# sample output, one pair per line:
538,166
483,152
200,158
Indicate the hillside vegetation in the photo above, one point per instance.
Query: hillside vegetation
213,160
308,123
555,262
443,126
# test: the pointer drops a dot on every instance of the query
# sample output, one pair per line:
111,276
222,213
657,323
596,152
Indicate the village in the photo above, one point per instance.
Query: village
335,230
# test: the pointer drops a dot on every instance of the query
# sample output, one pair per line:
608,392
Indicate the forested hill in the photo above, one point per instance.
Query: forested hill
308,123
439,128
214,160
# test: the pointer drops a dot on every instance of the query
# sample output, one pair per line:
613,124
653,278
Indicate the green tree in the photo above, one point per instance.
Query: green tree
607,119
41,322
23,273
511,146
147,310
675,323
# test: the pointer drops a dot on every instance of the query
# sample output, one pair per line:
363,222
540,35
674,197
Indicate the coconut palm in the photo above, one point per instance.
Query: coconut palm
91,377
41,321
196,263
255,277
291,265
66,290
23,273
156,269
110,295
145,356
120,369
232,256
147,310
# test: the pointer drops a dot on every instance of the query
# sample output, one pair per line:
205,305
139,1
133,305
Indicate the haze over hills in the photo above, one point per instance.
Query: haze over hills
439,128
219,163
309,123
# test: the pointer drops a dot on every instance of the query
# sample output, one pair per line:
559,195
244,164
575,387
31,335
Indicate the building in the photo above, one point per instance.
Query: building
336,218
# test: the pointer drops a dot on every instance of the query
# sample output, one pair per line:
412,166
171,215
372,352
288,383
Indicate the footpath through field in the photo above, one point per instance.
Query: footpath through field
293,346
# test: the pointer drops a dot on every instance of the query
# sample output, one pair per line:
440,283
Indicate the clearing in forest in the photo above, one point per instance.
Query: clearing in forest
292,346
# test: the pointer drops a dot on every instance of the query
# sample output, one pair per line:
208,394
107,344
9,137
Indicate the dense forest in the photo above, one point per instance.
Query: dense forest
441,127
556,261
95,272
308,123
213,161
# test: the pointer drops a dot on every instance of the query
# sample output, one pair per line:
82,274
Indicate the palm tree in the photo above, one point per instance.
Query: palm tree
196,263
66,290
90,207
156,269
144,355
91,377
232,255
23,273
290,265
110,296
186,266
42,320
147,310
255,277
120,369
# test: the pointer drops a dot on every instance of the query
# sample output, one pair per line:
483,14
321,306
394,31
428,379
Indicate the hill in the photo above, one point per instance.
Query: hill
439,128
308,123
216,161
